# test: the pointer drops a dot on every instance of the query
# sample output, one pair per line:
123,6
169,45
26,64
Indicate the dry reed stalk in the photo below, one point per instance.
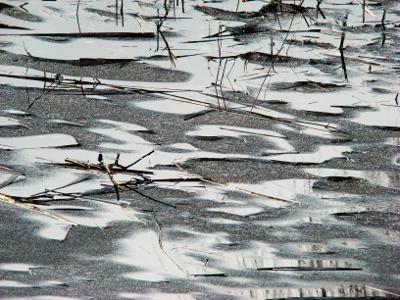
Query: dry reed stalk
235,188
31,207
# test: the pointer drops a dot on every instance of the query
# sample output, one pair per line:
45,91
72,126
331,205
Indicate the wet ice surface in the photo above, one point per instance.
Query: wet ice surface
219,196
385,117
42,141
9,122
386,179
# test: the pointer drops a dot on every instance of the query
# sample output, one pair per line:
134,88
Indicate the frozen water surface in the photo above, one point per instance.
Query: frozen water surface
4,121
386,179
39,141
323,154
247,151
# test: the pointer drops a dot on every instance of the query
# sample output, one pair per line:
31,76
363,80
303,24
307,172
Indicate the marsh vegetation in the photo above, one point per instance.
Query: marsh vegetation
199,149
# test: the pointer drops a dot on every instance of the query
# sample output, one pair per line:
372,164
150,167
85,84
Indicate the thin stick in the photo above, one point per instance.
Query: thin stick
376,289
8,199
62,187
150,198
22,6
116,12
271,67
218,96
172,57
77,16
319,9
119,34
107,169
134,163
219,43
363,7
342,56
161,245
220,83
158,25
131,214
255,133
57,81
44,73
10,169
166,7
234,187
122,12
308,269
272,46
366,9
